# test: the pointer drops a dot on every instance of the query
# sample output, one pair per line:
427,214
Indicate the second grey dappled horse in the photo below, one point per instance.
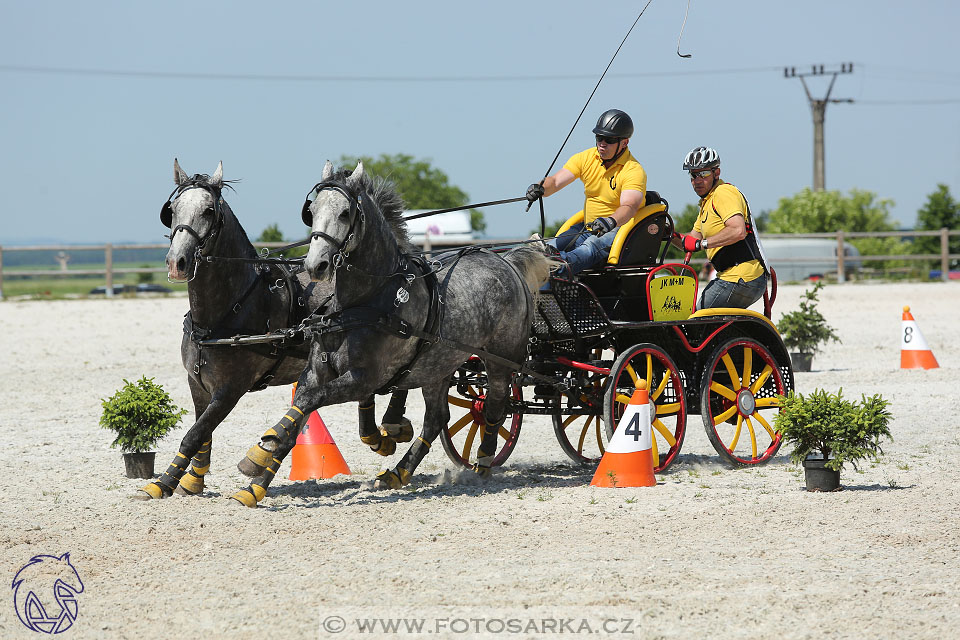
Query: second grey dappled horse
230,294
479,298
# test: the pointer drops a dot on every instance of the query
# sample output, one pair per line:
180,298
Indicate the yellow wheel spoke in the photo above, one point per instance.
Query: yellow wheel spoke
727,393
599,434
566,423
767,402
649,371
668,409
736,434
663,431
633,375
766,425
653,449
468,445
731,370
747,366
753,436
459,424
663,385
583,435
504,433
622,398
767,370
460,402
725,415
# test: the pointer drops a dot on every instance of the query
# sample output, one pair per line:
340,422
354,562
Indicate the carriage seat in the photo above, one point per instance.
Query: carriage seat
636,243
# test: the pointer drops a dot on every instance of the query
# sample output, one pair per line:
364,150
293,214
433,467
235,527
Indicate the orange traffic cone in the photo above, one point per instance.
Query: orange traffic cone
914,352
628,460
315,455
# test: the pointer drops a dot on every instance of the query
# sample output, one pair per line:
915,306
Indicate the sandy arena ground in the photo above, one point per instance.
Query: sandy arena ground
708,552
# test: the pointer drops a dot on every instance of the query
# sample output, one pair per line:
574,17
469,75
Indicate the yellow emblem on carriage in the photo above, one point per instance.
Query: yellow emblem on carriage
672,297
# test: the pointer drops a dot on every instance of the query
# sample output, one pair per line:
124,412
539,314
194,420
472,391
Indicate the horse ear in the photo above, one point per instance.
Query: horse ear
354,180
327,170
179,175
216,180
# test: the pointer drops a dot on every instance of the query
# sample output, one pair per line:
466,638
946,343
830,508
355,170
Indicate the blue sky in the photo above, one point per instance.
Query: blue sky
99,97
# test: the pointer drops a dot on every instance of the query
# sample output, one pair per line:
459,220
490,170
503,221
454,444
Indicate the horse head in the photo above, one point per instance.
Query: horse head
334,217
194,213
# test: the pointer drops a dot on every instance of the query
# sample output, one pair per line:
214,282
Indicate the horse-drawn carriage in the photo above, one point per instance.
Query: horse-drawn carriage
392,321
633,319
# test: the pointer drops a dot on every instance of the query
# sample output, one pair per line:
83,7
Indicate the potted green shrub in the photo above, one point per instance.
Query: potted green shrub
140,414
805,330
828,431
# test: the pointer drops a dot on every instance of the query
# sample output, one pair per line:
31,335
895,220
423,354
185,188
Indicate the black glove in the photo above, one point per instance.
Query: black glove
601,225
534,192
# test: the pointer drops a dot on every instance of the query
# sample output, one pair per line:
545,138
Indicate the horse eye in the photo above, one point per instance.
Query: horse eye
208,210
345,214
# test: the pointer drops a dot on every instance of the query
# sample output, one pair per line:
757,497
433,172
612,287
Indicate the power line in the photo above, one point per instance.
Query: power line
179,75
909,102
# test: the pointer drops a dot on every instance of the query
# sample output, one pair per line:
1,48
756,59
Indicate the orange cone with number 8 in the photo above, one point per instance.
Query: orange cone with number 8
914,352
628,460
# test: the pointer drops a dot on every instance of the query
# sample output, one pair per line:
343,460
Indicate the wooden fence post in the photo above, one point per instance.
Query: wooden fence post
841,276
109,259
944,252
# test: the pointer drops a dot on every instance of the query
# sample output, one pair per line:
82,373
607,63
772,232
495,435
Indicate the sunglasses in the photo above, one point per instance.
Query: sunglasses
701,174
608,139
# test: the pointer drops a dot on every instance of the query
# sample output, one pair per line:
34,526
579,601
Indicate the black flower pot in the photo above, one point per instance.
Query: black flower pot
819,477
801,361
139,465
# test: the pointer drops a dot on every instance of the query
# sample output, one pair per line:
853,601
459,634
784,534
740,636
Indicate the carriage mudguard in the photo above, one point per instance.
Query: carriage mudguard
730,311
576,218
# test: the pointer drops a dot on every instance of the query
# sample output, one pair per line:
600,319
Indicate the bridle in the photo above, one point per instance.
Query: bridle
166,217
356,216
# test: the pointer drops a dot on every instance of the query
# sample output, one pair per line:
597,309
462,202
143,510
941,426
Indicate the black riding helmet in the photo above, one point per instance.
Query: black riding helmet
614,124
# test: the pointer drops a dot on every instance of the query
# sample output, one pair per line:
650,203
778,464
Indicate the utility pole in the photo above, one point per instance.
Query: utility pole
819,109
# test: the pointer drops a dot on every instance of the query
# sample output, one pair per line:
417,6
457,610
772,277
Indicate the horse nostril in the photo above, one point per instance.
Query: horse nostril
181,264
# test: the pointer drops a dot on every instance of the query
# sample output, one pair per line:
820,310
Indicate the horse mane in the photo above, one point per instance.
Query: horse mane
388,200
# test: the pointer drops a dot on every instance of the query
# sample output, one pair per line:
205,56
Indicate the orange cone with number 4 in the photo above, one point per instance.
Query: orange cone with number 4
316,454
914,352
628,460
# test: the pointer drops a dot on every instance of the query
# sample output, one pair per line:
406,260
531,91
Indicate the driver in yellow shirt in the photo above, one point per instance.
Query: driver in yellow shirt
614,187
724,228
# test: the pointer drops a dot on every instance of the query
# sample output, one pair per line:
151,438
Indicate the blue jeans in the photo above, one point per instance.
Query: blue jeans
582,250
721,293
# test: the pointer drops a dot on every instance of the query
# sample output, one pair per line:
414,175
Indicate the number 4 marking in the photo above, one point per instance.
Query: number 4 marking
633,427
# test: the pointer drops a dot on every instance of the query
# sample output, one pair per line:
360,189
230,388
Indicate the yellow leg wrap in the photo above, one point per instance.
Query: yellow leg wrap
191,483
404,476
390,479
481,471
201,471
153,490
259,456
245,497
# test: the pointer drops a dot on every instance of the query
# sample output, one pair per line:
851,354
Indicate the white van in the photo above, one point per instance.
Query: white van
445,229
818,257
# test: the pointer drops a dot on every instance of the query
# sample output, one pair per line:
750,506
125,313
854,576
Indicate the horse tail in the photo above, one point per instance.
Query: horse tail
533,266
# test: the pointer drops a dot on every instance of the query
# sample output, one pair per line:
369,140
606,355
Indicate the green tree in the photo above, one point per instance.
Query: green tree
271,234
940,211
421,185
830,211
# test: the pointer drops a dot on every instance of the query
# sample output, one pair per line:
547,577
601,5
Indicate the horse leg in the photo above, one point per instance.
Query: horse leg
395,428
494,413
395,424
194,448
253,493
436,415
370,435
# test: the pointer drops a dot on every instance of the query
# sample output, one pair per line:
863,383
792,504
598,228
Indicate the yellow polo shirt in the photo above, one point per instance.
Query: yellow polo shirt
601,186
723,202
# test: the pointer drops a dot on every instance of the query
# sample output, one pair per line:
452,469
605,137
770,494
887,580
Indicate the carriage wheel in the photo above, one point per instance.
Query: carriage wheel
461,436
668,406
583,437
741,382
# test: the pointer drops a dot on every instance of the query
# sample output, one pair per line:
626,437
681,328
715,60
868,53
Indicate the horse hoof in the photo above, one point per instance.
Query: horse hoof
151,491
387,447
483,472
247,498
402,432
190,485
255,463
390,479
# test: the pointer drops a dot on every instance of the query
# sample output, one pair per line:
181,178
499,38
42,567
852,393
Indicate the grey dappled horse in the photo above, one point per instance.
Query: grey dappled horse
230,293
359,240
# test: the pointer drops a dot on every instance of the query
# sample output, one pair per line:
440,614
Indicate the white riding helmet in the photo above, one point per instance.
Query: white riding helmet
701,158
